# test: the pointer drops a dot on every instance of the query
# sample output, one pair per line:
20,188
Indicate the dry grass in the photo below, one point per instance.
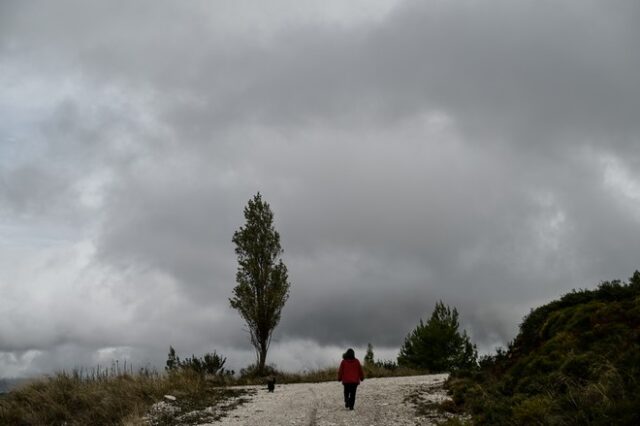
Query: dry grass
74,399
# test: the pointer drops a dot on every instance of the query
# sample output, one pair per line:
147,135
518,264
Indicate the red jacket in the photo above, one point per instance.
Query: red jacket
350,371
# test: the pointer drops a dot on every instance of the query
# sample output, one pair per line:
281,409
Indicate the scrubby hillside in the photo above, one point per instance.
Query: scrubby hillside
576,360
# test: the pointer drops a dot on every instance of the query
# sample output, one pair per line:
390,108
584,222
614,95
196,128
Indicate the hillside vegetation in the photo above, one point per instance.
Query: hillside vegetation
575,360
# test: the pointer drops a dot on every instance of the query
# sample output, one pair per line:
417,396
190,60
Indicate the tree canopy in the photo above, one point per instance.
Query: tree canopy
438,345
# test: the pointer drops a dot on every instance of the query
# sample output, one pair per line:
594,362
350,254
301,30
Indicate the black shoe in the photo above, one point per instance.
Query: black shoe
350,408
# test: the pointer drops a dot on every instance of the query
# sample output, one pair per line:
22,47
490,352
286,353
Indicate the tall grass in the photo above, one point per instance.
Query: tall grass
105,398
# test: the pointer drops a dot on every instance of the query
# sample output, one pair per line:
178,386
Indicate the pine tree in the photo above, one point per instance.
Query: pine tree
173,362
368,358
438,345
263,286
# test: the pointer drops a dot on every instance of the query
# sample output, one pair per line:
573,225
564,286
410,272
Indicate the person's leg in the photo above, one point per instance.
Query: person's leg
352,399
346,395
350,394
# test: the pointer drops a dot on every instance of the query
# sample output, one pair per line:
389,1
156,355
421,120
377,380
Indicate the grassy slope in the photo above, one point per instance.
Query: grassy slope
575,361
71,399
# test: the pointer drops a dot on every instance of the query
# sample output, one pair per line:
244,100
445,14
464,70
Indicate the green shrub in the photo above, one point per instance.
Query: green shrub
210,364
537,410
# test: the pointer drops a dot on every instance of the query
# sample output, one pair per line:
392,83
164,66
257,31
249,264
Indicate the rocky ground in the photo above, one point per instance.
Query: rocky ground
383,401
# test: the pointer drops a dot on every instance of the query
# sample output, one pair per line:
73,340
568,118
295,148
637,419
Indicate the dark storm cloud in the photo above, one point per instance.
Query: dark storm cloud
524,72
482,154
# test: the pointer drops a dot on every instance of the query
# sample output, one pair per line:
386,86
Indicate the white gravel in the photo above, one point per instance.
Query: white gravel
380,401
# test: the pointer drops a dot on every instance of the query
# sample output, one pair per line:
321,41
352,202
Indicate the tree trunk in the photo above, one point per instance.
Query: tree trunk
262,359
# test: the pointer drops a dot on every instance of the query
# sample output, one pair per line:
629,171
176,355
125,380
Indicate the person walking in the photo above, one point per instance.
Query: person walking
350,374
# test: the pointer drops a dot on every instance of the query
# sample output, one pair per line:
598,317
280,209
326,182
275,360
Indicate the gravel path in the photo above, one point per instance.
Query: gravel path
383,401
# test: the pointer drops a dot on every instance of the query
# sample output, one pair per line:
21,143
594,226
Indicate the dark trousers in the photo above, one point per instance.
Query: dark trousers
350,394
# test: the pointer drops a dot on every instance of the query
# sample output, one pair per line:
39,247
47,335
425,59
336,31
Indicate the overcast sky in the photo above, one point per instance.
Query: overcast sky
483,153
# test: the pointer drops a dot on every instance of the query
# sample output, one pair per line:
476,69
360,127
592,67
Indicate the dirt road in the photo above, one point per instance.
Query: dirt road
384,401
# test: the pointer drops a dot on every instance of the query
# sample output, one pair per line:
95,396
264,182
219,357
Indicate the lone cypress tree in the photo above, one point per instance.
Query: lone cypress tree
263,286
438,345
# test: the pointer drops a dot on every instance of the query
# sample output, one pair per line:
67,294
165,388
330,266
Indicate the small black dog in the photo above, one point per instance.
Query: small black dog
271,383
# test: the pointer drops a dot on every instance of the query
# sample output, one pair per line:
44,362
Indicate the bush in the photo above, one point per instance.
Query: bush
537,410
210,364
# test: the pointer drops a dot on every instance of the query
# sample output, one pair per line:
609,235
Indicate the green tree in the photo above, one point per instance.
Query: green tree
173,361
438,345
263,286
368,358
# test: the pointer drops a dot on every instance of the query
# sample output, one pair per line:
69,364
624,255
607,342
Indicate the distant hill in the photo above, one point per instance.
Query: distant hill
575,360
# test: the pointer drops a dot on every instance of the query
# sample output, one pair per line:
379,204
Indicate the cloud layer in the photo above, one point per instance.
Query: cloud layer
485,154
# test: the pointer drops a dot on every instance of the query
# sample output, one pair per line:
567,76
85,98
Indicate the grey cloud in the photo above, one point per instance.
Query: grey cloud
559,80
29,188
560,76
447,151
